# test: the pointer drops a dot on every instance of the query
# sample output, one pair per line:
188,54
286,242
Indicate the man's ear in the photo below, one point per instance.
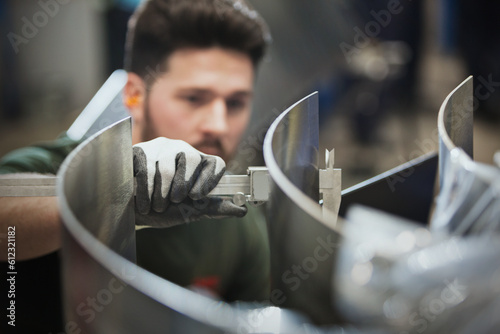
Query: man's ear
134,97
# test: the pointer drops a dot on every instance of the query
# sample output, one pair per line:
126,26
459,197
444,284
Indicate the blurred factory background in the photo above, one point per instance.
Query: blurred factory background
382,69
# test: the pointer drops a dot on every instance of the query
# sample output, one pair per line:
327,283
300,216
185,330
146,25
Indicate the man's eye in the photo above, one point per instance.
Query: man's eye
235,105
194,99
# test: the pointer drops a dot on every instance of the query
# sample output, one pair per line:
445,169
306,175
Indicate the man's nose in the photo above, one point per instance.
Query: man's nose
215,121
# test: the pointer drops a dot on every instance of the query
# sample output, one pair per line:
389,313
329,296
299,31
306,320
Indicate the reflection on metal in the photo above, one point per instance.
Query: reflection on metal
104,291
105,108
468,202
373,244
303,244
397,276
455,124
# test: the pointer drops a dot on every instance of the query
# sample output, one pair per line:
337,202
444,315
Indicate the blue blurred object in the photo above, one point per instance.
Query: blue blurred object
129,5
117,17
448,25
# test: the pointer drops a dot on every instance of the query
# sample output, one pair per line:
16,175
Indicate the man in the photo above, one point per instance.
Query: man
204,55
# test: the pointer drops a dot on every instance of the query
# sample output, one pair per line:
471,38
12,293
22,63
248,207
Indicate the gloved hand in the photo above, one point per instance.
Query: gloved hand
172,182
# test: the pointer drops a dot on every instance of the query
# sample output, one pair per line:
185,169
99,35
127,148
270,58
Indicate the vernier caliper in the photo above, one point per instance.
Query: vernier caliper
254,187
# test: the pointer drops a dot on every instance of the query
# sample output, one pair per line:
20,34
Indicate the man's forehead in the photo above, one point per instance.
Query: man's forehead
209,69
194,89
207,58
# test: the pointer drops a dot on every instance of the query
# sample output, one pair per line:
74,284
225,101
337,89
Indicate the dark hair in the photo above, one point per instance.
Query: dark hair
160,27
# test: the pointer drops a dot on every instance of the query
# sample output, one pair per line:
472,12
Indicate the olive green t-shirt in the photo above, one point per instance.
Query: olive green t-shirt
229,257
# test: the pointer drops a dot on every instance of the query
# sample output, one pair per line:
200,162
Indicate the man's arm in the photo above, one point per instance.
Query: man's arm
37,226
181,175
35,219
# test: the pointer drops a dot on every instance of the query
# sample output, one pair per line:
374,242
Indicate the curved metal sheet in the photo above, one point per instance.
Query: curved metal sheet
455,124
395,276
406,190
400,277
303,244
104,290
468,200
105,108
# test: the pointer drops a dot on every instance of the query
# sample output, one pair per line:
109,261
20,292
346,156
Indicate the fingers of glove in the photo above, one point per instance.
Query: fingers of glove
159,202
190,211
188,165
165,171
144,182
156,219
225,207
216,207
213,168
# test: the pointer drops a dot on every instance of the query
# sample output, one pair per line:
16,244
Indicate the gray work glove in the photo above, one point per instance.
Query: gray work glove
172,182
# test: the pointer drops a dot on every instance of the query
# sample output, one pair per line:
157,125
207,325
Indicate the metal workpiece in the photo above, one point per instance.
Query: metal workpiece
303,243
455,124
95,191
374,243
399,276
468,200
105,108
395,275
406,191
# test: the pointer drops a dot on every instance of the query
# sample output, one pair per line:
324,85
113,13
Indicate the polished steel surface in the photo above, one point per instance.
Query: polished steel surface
95,192
105,108
105,291
400,277
455,124
468,199
303,243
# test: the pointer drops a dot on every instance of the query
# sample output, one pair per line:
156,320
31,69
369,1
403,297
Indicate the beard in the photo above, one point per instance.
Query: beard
211,146
208,145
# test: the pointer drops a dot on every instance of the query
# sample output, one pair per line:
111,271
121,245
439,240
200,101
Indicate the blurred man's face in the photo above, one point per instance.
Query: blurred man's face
203,98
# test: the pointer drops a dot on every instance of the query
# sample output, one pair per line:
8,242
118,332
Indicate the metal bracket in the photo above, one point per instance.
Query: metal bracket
330,186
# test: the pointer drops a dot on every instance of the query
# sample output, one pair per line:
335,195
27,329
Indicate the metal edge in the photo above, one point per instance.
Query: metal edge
189,303
442,110
390,172
93,110
295,194
444,137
